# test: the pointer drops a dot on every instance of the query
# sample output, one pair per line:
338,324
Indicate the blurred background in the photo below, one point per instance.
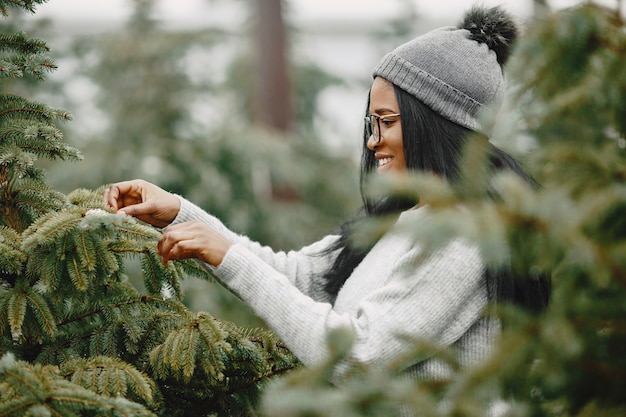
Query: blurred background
252,109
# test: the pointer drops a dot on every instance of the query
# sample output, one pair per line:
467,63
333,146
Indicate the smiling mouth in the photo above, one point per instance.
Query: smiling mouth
384,161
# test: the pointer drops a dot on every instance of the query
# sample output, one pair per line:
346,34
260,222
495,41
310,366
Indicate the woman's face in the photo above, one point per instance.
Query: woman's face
387,143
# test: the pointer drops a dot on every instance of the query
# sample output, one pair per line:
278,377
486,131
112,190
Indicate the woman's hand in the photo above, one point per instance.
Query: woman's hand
143,200
193,239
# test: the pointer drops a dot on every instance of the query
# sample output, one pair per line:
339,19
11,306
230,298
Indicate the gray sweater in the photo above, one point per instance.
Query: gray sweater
394,296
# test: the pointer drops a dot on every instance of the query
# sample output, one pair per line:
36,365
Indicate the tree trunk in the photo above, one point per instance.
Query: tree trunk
540,9
272,87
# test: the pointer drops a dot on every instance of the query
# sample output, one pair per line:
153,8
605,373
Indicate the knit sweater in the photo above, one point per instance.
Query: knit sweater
394,297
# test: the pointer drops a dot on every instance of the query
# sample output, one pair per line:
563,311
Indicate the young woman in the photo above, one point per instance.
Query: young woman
423,104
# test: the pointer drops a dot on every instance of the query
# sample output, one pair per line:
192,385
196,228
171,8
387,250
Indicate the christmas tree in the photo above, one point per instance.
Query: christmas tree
75,337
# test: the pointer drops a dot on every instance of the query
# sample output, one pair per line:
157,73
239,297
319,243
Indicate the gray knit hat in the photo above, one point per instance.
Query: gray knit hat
455,70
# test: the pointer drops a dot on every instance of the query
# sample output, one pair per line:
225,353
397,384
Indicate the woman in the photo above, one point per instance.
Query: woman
423,104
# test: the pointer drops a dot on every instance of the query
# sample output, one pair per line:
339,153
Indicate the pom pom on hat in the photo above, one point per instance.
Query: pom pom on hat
493,27
455,70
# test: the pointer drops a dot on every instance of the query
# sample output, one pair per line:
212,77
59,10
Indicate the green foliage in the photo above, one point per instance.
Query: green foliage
29,56
582,135
76,338
70,300
27,5
36,390
201,338
26,133
110,377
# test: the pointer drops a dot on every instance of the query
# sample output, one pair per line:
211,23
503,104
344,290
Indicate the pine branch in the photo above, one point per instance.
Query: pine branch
9,70
194,269
33,198
87,249
87,198
36,65
257,355
12,258
41,313
111,377
20,43
42,140
44,233
86,244
28,5
14,108
79,276
16,312
202,338
23,307
158,277
16,163
167,304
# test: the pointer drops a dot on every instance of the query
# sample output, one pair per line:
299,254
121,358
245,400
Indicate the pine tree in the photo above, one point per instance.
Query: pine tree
75,337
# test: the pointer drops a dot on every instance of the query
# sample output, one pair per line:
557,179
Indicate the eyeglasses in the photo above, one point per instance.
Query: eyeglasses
372,124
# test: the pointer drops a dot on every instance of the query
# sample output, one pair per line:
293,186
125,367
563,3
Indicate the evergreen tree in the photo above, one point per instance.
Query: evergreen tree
76,339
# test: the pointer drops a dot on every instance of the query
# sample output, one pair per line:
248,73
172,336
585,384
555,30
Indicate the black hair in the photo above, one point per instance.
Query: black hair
432,144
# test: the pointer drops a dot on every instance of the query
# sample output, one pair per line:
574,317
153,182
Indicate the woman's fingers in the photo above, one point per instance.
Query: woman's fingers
123,194
192,240
141,199
171,237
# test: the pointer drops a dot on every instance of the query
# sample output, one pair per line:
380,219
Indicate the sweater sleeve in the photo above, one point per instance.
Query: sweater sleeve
436,299
303,268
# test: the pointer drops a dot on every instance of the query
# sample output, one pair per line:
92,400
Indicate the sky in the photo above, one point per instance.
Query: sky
202,11
429,8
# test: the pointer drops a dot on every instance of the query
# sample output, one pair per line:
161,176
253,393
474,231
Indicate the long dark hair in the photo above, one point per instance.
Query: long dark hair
432,144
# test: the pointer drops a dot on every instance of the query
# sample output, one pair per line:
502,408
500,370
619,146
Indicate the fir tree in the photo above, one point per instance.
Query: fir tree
75,337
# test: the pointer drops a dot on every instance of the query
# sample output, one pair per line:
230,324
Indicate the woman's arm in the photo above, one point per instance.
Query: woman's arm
395,297
303,268
437,300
